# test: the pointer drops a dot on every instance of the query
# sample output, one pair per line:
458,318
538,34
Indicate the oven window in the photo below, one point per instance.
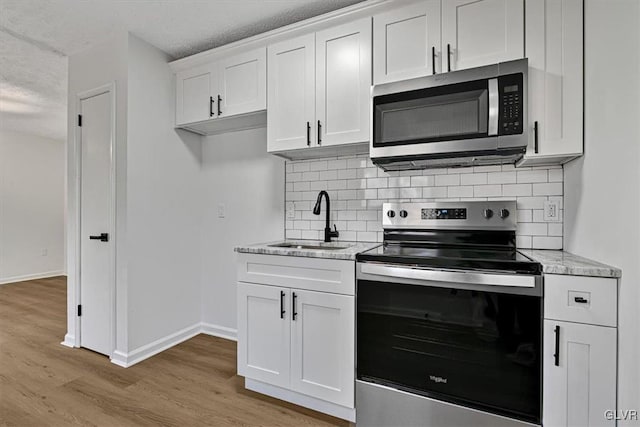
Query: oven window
457,111
477,349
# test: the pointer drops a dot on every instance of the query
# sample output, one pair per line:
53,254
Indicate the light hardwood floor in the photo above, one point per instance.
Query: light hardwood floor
43,383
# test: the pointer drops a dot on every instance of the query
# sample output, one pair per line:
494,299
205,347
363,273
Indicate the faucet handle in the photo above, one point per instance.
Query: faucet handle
335,232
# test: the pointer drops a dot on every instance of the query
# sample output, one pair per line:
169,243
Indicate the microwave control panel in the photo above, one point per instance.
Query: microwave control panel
511,91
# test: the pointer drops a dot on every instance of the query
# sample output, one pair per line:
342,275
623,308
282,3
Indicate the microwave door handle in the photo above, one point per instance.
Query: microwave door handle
494,107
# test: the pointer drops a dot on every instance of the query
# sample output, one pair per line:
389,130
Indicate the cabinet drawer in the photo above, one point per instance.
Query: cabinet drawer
314,274
591,300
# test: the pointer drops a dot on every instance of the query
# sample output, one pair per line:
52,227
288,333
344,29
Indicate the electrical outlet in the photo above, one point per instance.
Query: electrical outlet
291,210
221,210
551,209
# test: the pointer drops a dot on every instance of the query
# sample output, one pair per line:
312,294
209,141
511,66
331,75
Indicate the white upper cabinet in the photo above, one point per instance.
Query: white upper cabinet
343,83
322,346
579,377
242,83
481,32
291,100
406,42
229,87
554,46
195,89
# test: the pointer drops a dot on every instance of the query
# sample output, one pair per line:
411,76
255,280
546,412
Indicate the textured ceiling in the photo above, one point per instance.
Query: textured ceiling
37,35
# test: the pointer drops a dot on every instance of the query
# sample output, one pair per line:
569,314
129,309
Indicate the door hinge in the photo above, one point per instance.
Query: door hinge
79,310
79,119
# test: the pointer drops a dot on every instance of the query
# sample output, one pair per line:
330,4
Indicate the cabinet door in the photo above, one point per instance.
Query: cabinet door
291,90
343,83
322,346
243,83
264,333
406,42
582,387
194,89
554,46
481,32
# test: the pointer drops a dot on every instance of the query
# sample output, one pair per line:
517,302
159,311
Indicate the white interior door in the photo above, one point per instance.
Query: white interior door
343,83
481,32
291,94
95,218
264,333
322,346
406,42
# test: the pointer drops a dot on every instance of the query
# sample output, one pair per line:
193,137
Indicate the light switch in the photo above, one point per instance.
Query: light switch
291,210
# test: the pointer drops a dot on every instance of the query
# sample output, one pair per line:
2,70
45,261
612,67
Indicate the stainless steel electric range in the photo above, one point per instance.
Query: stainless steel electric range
449,320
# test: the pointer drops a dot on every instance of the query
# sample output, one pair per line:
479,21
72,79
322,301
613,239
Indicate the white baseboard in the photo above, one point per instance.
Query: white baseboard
148,350
220,331
26,277
69,341
299,399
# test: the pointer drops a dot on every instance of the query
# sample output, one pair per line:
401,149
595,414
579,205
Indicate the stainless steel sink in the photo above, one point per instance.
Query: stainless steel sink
310,247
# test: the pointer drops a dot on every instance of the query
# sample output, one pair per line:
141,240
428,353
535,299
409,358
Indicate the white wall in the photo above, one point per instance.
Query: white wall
238,173
164,218
602,189
32,192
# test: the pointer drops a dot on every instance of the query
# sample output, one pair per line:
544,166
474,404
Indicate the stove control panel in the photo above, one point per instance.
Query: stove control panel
477,215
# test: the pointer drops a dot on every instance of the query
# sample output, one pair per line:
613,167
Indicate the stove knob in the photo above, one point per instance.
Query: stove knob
403,213
391,214
504,213
487,213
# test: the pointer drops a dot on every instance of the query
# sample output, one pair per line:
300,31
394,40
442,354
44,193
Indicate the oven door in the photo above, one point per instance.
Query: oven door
465,338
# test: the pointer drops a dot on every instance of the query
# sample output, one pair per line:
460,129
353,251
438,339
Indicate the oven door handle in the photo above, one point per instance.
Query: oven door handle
494,107
472,278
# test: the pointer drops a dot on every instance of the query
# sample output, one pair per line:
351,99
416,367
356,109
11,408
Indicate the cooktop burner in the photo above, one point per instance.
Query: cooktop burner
474,235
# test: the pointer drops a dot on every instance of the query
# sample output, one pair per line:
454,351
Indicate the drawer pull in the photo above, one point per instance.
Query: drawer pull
293,303
556,355
282,311
581,300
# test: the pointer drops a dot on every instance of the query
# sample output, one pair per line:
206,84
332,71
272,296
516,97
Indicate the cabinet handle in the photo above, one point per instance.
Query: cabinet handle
580,300
103,237
319,132
219,102
293,304
556,355
535,137
308,134
282,311
448,57
211,101
433,59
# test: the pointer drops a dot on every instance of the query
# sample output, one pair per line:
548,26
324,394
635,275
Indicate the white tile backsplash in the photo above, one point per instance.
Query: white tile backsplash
358,189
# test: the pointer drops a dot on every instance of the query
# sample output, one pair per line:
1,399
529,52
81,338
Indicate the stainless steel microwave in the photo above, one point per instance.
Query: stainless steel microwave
461,118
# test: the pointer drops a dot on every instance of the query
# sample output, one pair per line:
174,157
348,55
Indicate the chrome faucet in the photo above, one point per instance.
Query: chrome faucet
328,232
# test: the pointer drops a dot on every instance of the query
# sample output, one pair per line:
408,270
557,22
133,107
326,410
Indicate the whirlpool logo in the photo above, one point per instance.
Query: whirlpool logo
437,380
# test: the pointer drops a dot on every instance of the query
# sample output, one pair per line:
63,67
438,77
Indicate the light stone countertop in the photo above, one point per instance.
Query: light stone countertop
561,262
349,253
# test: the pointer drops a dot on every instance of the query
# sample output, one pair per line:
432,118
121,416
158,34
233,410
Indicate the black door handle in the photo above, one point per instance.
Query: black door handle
282,311
535,137
556,355
211,101
580,300
308,134
319,132
219,102
433,59
448,57
103,237
294,313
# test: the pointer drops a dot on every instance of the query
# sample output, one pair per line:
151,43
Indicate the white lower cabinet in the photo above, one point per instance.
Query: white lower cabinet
322,346
296,330
579,359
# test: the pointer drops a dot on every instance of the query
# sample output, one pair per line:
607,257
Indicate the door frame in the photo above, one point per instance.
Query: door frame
109,88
